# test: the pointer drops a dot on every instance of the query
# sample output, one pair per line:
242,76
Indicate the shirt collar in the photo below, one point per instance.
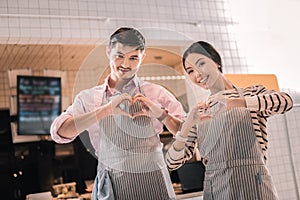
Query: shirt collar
133,83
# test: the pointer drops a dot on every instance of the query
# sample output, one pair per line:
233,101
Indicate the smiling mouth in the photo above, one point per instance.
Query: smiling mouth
124,70
204,79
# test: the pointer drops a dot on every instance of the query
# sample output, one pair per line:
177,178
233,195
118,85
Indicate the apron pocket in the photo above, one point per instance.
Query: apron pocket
265,187
102,187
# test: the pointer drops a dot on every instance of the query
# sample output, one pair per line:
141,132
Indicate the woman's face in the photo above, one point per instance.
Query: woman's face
202,70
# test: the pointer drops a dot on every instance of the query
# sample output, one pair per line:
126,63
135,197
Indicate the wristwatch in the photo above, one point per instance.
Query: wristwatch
163,115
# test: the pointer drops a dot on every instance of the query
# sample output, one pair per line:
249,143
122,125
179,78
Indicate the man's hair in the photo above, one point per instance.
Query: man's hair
129,37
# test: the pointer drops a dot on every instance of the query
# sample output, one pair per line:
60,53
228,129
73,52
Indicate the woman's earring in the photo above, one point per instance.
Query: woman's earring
220,68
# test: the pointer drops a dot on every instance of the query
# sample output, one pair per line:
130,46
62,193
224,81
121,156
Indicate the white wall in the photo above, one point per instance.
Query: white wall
268,36
284,153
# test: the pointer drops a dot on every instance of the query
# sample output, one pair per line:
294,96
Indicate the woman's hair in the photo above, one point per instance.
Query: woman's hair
129,37
205,49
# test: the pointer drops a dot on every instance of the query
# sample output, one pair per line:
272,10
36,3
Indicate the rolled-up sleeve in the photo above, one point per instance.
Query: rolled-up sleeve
268,102
166,99
74,109
84,102
176,158
56,125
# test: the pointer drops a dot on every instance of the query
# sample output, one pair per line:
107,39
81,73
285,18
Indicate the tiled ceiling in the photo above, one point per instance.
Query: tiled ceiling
37,57
70,57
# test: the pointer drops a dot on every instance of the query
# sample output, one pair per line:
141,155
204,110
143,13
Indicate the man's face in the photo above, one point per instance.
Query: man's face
124,61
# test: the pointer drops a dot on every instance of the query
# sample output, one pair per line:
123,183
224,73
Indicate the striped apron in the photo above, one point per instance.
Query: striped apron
130,160
235,167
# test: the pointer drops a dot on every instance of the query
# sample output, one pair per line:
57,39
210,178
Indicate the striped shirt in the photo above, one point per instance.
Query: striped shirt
261,102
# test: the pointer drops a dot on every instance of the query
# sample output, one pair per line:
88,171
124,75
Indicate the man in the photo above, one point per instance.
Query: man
124,116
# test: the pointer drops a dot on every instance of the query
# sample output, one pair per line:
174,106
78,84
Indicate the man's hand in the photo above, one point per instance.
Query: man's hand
149,107
118,104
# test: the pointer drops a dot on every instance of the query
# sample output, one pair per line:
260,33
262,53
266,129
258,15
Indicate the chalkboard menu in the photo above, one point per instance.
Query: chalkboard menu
38,104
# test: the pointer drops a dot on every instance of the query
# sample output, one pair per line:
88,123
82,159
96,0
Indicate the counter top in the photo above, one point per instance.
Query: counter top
190,196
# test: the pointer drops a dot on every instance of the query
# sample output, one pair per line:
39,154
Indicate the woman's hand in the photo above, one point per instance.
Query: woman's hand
220,102
217,103
197,114
236,102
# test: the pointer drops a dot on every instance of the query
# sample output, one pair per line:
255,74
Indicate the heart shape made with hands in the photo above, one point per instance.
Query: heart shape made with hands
134,108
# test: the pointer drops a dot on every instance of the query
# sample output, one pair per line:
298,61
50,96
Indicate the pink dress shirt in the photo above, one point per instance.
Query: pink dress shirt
90,99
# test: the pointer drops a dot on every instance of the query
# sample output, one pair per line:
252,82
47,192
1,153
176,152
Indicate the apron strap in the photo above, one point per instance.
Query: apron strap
239,90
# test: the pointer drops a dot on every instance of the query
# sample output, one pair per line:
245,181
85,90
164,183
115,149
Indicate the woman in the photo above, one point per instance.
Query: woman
230,130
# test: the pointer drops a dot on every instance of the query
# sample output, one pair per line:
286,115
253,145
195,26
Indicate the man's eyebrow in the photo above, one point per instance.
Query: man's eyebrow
119,52
197,62
188,68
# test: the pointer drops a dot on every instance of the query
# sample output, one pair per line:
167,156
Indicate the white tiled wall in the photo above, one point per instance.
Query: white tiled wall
72,21
284,153
92,22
